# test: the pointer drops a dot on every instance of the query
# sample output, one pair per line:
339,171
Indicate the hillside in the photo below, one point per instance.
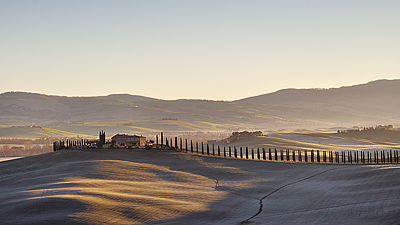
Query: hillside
383,92
365,140
168,187
387,136
372,103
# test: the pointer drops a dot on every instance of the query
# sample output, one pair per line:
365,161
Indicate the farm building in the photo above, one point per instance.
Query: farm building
134,140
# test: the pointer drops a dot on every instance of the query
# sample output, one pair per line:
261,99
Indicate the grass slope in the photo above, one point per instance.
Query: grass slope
280,143
34,132
166,187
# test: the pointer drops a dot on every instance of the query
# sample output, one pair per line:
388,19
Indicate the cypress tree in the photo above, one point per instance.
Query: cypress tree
264,156
343,159
369,157
363,157
337,157
387,157
350,158
312,156
356,157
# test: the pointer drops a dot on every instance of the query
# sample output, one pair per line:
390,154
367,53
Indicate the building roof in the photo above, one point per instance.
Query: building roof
126,136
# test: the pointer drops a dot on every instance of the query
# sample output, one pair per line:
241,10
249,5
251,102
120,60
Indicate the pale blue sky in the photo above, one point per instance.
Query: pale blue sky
207,49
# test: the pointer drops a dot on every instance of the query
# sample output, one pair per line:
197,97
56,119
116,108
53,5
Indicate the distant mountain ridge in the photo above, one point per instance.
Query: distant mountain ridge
370,103
368,92
381,97
130,98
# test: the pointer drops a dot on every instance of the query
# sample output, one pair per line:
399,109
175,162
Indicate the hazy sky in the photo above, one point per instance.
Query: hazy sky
207,49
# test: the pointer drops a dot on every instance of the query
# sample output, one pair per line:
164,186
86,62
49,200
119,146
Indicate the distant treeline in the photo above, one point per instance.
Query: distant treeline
27,141
7,151
169,118
379,127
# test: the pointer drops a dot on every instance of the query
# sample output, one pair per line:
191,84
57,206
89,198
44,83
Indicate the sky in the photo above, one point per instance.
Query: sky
208,49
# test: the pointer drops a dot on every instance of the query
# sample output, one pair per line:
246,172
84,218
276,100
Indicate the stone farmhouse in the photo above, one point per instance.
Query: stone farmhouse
134,140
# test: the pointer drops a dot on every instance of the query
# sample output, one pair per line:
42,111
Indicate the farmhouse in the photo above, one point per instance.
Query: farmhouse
134,140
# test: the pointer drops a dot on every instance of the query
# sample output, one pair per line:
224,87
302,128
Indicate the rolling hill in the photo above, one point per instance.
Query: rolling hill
370,104
134,186
375,101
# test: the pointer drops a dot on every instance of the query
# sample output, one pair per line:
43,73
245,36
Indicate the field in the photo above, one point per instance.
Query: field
294,140
168,187
138,186
308,140
91,129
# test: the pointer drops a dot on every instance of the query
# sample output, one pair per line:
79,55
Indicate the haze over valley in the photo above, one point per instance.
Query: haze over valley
367,104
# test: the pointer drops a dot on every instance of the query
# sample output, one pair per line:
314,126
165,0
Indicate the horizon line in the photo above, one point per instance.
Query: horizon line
201,99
